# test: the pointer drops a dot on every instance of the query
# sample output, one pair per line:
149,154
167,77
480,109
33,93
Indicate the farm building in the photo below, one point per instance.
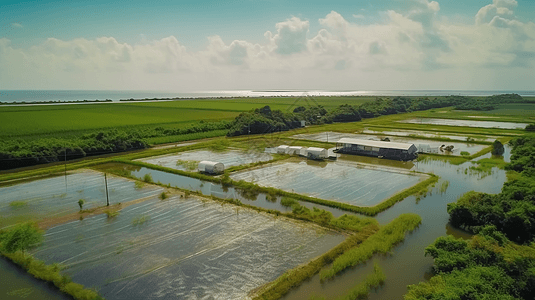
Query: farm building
316,153
297,150
398,151
211,167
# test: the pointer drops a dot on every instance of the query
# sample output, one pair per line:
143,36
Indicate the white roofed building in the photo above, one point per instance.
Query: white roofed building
398,151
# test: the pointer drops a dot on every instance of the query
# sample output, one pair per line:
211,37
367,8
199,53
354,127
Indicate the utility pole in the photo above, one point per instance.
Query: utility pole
107,197
65,164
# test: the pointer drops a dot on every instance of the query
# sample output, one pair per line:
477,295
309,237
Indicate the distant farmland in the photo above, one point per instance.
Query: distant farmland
36,121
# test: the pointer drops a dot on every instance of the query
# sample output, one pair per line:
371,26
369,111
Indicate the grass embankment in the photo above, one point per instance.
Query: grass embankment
381,242
292,278
252,188
13,245
361,290
51,273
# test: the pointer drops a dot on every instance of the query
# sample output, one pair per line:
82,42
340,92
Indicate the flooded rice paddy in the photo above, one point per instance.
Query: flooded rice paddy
229,158
466,123
182,249
333,137
332,181
407,263
56,196
408,133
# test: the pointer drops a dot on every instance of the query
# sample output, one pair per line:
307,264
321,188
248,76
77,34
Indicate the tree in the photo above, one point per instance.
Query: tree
497,148
81,203
22,237
530,127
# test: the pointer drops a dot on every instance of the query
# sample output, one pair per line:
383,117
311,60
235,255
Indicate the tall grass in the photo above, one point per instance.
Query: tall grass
51,273
381,242
294,277
361,290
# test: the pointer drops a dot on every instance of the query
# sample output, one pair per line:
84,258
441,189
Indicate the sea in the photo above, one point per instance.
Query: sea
36,96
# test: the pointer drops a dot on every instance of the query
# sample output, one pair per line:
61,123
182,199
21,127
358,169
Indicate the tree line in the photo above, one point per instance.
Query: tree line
265,120
498,262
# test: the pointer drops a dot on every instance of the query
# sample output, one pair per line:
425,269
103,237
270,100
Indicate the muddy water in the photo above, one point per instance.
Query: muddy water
408,265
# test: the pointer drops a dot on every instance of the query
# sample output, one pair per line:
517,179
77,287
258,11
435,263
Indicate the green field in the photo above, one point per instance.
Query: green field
34,121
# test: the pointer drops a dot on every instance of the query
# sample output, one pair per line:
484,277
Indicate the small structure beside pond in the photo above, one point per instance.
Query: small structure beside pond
317,153
211,167
397,151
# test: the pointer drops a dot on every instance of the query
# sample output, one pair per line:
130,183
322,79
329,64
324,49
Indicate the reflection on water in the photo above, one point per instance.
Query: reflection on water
452,122
16,284
408,265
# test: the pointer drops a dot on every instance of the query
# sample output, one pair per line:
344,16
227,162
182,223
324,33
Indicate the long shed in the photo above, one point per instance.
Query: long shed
317,153
398,151
211,167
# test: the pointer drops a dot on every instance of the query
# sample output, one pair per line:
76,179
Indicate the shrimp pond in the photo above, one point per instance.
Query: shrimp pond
467,123
59,195
182,248
352,184
188,247
188,160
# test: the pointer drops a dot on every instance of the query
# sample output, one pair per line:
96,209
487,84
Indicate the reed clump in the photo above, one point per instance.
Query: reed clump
381,242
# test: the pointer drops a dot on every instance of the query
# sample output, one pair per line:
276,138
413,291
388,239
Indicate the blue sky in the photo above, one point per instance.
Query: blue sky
194,24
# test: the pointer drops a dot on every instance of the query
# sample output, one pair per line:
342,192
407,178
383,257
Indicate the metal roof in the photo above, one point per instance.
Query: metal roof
378,144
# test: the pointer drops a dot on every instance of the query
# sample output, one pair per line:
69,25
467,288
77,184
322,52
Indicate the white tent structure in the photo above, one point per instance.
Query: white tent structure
211,167
317,153
297,150
282,149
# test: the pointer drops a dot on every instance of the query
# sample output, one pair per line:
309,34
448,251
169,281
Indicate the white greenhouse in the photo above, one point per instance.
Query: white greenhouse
282,149
211,167
317,153
297,150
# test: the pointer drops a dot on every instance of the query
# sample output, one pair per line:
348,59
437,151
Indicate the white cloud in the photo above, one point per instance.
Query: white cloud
16,25
418,44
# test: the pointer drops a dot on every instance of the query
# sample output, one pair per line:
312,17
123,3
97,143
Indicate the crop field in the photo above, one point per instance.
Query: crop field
20,121
182,248
335,136
188,161
56,196
334,181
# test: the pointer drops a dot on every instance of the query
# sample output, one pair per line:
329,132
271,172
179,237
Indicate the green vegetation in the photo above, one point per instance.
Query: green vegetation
188,165
139,184
488,266
511,211
18,204
381,242
81,203
13,245
148,178
288,202
163,196
111,213
292,278
139,220
530,127
361,290
497,148
465,153
21,237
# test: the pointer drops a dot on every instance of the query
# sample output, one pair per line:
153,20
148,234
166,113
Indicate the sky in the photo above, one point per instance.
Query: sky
205,45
